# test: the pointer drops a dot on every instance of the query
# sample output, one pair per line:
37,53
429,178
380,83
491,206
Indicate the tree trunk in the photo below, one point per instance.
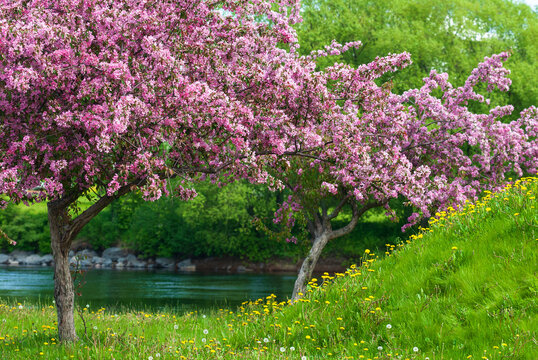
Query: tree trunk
64,294
309,263
63,230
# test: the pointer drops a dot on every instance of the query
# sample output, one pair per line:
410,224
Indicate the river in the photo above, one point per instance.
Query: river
150,290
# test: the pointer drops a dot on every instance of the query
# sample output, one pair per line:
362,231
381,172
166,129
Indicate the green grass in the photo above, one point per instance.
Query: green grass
464,288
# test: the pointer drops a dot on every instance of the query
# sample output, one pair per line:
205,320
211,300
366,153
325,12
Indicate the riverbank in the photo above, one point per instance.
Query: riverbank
463,289
118,258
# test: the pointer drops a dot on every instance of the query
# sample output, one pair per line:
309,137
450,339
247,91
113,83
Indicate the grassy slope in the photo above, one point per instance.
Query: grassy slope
467,287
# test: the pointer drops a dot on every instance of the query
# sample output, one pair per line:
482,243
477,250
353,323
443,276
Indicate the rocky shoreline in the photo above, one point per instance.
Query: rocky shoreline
120,259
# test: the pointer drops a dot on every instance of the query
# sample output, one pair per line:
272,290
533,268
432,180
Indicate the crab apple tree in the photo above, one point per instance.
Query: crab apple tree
105,97
425,146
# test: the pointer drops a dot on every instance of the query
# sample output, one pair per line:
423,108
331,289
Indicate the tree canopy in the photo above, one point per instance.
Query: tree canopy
446,35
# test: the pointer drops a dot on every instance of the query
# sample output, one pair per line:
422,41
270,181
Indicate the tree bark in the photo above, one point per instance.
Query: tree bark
309,263
63,230
321,229
64,295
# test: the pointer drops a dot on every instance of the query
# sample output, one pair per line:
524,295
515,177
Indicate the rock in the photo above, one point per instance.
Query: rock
33,259
20,255
133,261
97,260
71,253
107,263
186,265
164,263
182,263
114,253
85,263
121,263
4,258
241,268
12,262
101,262
47,260
87,253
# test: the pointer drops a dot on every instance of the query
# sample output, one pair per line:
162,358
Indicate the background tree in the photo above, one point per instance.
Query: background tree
446,35
98,98
379,147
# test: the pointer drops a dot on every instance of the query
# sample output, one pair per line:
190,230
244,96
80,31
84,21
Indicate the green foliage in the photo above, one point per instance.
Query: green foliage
219,222
449,36
30,230
109,227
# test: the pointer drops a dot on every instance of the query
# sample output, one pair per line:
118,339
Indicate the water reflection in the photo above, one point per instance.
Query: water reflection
148,289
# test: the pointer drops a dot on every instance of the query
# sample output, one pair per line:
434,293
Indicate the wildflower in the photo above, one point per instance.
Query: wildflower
87,306
158,355
380,348
389,326
203,316
415,349
204,340
95,327
303,357
20,307
150,357
176,326
265,340
292,348
488,209
206,331
454,248
282,349
367,251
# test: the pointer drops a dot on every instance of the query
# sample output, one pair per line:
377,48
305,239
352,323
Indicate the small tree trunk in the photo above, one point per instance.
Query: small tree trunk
64,294
309,263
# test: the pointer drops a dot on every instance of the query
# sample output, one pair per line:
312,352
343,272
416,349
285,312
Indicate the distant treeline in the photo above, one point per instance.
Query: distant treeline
218,222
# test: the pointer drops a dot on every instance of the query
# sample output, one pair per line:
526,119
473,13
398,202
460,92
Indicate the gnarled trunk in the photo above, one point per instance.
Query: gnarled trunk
322,232
309,263
64,294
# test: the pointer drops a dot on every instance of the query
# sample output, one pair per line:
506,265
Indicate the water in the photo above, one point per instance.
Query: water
147,289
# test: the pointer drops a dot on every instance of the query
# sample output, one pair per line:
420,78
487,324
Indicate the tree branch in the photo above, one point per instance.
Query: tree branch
80,221
339,207
357,213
